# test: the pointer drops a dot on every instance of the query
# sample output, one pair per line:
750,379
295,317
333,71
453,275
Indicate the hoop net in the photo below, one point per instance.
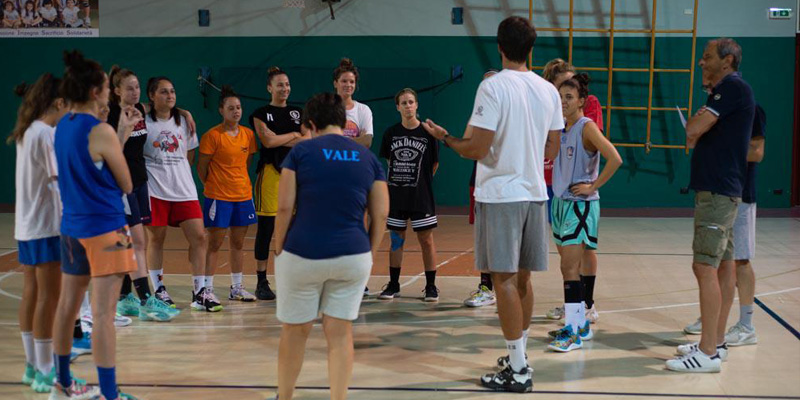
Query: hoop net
294,3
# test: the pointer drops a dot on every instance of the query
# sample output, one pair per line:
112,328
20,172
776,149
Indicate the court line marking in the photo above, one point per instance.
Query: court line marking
3,277
441,264
777,317
447,390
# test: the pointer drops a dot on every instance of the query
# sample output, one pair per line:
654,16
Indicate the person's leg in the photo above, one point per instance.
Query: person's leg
104,336
726,274
525,290
746,284
26,313
428,247
73,288
48,279
266,225
710,303
589,276
339,334
291,350
216,237
155,254
510,311
397,240
236,244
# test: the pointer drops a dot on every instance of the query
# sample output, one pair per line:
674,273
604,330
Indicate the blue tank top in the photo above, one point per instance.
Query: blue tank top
574,164
91,197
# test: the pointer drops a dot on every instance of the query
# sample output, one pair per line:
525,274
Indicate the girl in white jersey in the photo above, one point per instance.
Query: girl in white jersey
359,116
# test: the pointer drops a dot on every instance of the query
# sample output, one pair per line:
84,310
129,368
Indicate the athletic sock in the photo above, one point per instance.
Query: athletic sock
77,332
30,350
236,278
198,282
62,370
430,278
486,280
44,355
394,275
261,276
86,308
157,277
525,334
142,288
209,281
108,382
746,316
516,353
588,289
572,304
126,287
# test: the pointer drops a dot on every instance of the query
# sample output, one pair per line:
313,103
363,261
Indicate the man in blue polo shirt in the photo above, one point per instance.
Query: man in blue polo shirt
720,134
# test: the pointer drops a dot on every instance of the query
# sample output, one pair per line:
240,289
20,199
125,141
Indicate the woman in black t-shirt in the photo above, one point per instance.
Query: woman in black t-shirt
278,128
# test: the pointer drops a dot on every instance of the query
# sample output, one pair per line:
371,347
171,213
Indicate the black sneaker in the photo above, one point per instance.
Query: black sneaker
263,292
431,294
508,380
366,291
161,294
504,361
390,291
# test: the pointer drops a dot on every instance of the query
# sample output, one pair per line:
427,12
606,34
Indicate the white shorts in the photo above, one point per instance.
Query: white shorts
333,286
744,232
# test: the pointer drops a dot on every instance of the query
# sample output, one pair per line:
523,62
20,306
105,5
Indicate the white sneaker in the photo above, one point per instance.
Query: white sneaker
696,361
481,297
556,313
120,321
86,323
695,328
591,314
689,348
740,335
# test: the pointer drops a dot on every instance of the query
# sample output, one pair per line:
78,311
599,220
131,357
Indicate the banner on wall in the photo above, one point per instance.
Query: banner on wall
49,18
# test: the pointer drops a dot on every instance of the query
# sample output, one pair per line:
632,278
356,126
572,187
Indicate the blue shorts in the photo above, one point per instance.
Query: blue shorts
225,214
137,206
39,251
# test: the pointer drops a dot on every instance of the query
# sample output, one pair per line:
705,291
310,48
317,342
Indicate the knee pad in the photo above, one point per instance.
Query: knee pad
397,240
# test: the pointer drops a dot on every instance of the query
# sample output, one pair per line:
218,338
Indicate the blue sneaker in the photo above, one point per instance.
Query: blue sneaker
586,332
30,374
128,306
81,346
43,382
157,310
566,341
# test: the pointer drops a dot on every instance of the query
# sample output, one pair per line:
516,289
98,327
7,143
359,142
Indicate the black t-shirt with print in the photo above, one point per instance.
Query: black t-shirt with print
281,120
134,147
411,154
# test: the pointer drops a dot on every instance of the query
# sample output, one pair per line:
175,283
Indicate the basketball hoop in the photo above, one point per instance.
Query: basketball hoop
294,4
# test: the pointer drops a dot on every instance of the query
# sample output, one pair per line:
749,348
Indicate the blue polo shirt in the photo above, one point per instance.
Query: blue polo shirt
719,160
334,176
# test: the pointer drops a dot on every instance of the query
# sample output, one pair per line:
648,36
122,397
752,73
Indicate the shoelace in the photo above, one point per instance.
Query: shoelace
210,296
163,296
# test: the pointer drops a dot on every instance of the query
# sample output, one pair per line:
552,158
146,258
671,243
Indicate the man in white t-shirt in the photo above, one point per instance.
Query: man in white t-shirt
516,122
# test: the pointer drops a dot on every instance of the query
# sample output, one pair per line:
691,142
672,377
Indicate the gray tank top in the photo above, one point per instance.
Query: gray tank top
574,164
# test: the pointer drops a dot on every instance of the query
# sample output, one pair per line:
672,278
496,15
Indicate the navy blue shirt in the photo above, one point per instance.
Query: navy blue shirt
759,130
334,175
719,160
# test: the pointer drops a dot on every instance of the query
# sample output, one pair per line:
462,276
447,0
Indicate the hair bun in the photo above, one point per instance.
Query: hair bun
273,70
21,89
583,78
74,59
227,91
346,62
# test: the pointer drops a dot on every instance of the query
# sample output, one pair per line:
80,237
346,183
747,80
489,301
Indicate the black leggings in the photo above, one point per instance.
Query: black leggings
266,225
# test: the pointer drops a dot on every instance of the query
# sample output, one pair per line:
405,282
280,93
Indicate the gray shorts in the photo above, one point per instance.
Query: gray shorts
333,286
511,236
744,232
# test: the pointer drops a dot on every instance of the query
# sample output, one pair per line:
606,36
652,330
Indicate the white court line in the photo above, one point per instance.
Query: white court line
2,278
691,304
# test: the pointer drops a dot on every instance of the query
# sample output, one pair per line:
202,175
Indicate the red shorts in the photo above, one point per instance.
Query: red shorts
172,213
472,205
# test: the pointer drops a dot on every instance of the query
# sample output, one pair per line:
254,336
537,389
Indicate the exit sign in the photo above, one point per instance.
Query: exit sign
780,13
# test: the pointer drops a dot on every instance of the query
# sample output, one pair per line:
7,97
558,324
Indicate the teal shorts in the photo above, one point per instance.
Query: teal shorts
575,222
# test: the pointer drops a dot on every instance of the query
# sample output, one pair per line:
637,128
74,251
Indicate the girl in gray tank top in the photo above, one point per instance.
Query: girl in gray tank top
575,163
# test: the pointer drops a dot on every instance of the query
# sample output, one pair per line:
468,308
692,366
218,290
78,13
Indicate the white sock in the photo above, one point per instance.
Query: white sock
573,314
210,281
44,355
199,282
236,279
516,353
27,344
525,338
157,276
86,308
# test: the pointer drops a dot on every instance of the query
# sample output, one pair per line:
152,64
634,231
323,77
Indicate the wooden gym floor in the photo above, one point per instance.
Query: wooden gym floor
406,349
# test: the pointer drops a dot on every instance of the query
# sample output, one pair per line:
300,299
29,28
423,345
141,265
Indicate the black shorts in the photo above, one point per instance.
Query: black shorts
398,221
137,206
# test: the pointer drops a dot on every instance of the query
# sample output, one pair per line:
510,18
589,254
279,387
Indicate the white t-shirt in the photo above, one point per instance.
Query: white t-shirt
49,14
520,107
38,201
169,176
71,16
359,118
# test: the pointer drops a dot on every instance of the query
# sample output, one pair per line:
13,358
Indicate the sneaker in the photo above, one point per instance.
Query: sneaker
87,322
586,332
161,294
77,391
120,321
556,313
689,348
554,334
156,310
128,306
263,292
740,335
566,341
390,291
504,361
695,328
238,292
30,374
591,314
431,294
366,291
44,383
696,361
206,300
81,346
509,380
481,297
